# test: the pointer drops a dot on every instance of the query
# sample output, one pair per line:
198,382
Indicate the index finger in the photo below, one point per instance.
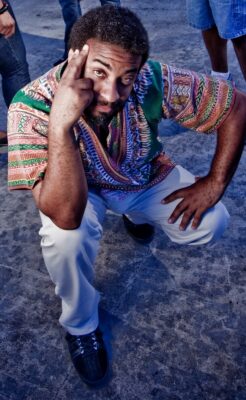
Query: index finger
76,64
177,194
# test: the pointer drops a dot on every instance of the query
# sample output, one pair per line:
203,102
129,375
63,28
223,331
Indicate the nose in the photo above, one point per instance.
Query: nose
110,92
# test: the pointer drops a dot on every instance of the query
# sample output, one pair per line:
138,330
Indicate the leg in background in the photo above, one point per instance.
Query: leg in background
114,2
240,50
71,11
13,64
217,49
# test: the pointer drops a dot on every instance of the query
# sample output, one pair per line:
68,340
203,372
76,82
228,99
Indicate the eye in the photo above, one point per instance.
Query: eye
127,81
99,73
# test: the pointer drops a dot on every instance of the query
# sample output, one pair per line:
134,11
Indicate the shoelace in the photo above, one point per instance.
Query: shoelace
87,344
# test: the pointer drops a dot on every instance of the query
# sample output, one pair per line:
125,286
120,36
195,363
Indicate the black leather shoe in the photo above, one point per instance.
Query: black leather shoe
89,356
142,233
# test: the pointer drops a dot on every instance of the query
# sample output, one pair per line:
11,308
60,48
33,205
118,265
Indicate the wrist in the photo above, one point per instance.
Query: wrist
61,131
219,181
61,127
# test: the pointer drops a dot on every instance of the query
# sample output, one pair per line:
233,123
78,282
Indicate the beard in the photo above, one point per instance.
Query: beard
102,119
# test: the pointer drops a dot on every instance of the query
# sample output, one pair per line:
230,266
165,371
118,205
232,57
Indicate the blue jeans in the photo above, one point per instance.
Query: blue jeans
71,11
229,16
13,64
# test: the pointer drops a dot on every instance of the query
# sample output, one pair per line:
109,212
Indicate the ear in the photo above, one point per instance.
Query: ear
70,54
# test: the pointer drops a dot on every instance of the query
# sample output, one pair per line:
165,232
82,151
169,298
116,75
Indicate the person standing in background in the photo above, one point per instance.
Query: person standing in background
219,22
13,63
71,11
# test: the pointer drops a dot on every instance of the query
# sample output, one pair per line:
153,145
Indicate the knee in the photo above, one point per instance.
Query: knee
60,239
65,240
213,224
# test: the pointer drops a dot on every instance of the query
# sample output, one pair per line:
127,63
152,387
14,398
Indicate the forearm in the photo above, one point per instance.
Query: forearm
230,143
196,199
63,194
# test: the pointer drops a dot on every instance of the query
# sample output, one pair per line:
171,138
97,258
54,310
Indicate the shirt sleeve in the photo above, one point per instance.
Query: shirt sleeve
28,143
196,101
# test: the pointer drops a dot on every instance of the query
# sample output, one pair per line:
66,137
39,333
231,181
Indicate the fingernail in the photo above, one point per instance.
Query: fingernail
170,221
76,52
85,47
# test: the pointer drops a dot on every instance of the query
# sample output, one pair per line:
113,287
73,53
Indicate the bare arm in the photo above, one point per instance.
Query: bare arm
7,23
62,195
207,191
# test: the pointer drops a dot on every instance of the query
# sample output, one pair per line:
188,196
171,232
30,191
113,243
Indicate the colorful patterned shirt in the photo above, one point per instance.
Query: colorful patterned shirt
133,158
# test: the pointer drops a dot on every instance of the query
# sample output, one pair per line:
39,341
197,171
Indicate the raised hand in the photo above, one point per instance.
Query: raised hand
74,93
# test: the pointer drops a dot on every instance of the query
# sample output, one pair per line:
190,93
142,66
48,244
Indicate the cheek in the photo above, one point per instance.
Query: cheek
125,92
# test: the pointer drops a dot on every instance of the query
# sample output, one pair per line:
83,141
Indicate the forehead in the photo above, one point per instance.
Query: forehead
112,55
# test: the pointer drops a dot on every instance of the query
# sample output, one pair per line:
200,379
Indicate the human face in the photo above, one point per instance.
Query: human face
113,71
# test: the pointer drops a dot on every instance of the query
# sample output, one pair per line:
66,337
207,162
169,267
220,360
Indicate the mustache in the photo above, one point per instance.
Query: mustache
118,104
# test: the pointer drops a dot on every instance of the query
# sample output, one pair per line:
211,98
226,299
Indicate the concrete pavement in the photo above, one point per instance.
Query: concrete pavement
174,317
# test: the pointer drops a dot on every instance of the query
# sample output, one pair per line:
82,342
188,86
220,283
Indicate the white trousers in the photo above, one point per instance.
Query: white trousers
69,255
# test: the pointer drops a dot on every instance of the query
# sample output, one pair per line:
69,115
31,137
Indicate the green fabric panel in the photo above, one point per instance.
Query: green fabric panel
152,105
25,182
27,147
32,161
22,97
